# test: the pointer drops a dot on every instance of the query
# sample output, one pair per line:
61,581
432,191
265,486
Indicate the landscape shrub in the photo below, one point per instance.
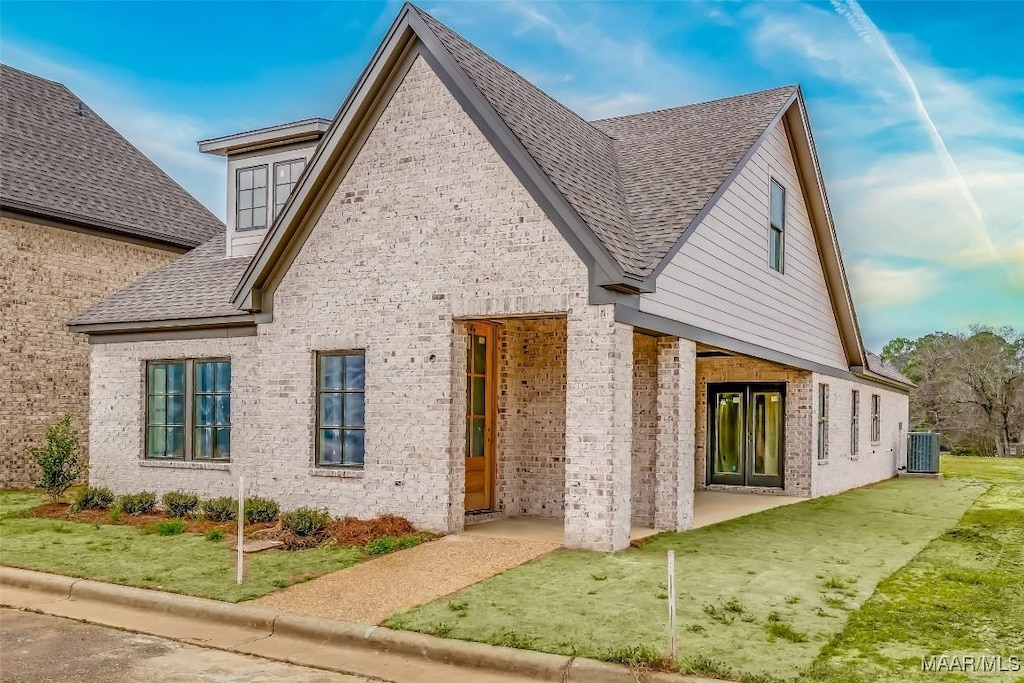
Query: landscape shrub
214,535
137,503
221,509
115,513
305,521
58,460
260,510
90,498
170,528
180,503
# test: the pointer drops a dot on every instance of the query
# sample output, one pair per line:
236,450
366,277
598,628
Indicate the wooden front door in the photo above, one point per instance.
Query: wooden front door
481,411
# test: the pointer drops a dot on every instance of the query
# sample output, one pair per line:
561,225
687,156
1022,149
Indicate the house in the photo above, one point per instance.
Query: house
473,302
82,214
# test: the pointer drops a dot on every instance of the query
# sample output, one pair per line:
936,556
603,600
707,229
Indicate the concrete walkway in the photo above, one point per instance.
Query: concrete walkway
712,507
370,592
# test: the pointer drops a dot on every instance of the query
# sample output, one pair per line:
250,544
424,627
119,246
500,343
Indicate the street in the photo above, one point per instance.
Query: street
38,648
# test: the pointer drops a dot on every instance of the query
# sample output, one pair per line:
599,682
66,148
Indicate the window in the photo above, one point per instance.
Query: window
251,207
165,414
876,418
777,226
341,400
285,175
212,405
822,421
188,410
855,423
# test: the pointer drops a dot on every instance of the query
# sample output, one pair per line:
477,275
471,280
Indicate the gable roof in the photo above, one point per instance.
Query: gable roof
61,161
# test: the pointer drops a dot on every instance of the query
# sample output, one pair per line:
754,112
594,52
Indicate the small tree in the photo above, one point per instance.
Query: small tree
58,459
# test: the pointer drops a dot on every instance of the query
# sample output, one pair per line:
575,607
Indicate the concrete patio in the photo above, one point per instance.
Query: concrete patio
710,507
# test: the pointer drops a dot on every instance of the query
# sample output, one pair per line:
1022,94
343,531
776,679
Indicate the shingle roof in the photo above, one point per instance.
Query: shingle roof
197,285
59,159
877,365
637,181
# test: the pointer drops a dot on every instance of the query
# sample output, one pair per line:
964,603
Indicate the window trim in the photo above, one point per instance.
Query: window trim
779,230
273,186
876,419
823,415
318,392
854,423
188,454
266,198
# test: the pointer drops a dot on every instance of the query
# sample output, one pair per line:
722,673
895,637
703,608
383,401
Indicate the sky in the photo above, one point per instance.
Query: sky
917,108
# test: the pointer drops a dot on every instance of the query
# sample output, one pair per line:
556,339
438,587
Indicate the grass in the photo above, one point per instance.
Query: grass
962,595
179,563
763,597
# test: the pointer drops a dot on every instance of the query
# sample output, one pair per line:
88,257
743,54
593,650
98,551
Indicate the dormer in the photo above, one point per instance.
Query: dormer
263,167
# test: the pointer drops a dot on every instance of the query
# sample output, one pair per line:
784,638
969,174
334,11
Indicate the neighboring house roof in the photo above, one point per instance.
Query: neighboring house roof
59,160
197,285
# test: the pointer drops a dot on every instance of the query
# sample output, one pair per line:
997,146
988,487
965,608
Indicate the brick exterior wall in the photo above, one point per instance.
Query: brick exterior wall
47,276
674,485
531,418
799,443
598,430
428,226
843,470
645,428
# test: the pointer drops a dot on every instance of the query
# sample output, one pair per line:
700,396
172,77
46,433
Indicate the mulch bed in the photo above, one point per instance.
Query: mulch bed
347,531
147,519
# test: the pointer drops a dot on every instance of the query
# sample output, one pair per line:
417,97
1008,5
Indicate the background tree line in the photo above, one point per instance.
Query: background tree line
970,386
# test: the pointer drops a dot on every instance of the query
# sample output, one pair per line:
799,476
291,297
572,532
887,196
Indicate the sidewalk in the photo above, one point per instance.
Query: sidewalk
333,645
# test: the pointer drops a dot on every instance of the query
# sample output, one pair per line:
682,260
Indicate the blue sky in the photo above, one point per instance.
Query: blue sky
917,107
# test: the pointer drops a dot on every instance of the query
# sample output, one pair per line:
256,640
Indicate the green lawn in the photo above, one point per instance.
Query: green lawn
963,595
787,593
187,563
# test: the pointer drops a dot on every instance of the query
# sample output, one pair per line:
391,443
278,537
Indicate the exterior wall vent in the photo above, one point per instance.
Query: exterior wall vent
923,452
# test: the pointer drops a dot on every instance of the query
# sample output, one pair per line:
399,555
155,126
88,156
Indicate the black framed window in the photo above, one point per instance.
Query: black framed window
251,199
777,226
165,410
188,409
822,422
212,410
286,173
876,418
341,403
855,423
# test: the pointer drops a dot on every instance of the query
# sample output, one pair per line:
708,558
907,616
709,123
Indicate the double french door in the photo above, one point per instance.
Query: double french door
746,430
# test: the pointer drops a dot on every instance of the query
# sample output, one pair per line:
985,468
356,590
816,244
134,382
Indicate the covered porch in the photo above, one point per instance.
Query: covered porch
709,507
581,429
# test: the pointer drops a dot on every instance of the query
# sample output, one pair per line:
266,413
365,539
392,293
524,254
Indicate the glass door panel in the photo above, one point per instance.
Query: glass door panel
480,411
728,437
767,430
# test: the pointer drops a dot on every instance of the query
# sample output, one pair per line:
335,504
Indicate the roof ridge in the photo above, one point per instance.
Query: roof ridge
677,107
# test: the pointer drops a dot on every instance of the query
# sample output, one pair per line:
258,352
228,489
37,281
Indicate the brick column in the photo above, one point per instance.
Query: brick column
674,461
598,429
456,466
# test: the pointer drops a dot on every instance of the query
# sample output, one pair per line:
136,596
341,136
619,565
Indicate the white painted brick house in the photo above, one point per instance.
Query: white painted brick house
459,297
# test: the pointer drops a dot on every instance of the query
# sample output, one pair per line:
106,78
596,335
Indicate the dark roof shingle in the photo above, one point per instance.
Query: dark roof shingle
879,366
59,159
197,285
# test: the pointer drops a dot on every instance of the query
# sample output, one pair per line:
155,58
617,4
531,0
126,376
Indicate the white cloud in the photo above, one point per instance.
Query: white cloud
877,285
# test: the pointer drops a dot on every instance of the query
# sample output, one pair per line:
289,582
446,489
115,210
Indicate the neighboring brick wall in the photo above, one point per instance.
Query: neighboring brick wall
427,226
47,276
874,461
645,427
531,418
799,413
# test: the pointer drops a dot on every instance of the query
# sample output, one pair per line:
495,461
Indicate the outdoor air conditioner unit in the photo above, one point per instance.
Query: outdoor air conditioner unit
923,452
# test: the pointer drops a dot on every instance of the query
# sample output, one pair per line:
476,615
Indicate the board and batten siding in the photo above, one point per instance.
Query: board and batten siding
720,279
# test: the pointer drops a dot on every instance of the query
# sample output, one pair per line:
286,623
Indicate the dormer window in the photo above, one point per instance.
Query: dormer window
285,175
777,226
252,198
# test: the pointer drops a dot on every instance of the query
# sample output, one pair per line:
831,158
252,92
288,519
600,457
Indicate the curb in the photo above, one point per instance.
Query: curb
537,665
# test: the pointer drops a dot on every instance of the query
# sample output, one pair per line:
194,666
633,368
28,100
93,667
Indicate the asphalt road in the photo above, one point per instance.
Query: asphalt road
38,648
